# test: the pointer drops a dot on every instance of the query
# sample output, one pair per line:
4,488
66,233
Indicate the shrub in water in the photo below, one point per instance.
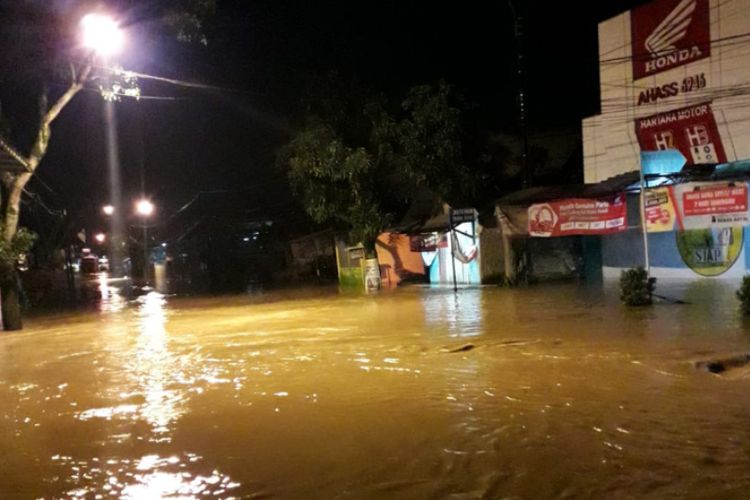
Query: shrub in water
744,295
636,287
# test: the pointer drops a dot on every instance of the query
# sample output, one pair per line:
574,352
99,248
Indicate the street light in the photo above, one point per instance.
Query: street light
108,209
144,207
100,237
102,34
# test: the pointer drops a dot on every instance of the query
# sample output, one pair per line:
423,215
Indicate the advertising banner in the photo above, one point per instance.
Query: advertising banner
661,210
697,205
666,34
707,205
691,130
578,216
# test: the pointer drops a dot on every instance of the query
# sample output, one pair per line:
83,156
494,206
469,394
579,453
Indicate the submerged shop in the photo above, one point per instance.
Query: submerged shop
694,230
553,232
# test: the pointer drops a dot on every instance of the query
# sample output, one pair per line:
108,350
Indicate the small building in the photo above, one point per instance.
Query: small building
443,248
555,232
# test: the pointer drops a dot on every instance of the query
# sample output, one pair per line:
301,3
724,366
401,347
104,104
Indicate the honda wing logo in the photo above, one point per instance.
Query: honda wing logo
671,30
669,33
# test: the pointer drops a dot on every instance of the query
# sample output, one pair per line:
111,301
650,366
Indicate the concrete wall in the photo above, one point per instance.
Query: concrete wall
491,264
397,261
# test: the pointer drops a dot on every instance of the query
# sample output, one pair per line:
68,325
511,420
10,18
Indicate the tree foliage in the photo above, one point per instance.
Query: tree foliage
357,164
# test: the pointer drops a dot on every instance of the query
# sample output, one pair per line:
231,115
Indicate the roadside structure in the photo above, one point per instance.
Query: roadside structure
675,79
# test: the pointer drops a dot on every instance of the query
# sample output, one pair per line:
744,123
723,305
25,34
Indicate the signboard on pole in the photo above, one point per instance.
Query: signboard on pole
460,215
578,216
664,162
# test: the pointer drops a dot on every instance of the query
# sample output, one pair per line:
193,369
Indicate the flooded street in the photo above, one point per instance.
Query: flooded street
545,392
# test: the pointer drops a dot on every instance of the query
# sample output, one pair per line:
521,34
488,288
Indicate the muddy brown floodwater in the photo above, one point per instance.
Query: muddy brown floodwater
543,392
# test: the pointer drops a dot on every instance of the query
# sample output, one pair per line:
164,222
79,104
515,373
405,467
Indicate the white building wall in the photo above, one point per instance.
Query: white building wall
610,139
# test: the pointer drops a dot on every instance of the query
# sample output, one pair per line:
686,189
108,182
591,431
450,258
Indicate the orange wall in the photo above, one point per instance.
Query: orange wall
396,259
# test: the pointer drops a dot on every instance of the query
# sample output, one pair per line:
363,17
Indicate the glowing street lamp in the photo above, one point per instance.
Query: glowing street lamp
144,208
108,209
100,237
101,34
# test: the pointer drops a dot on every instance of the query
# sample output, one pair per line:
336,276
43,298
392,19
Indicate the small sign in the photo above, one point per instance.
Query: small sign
356,253
463,215
424,242
664,162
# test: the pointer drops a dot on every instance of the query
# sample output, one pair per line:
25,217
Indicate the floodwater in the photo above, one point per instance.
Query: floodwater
544,392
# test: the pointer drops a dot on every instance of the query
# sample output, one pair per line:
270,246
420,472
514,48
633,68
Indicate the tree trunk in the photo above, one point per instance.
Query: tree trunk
11,306
13,206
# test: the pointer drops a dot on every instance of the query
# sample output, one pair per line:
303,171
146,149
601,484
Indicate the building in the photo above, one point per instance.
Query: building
675,75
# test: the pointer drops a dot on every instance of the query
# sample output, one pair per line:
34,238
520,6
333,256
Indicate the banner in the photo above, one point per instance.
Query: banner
718,204
661,210
691,130
578,216
697,205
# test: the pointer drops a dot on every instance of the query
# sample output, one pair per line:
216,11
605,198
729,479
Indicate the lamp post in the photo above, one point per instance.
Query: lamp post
144,208
101,35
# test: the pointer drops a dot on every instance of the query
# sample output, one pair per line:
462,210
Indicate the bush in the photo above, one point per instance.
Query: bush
744,295
636,287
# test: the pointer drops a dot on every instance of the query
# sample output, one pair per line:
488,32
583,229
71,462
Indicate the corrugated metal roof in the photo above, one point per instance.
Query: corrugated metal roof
609,186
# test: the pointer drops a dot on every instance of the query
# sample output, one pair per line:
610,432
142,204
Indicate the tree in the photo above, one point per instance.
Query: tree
357,165
39,57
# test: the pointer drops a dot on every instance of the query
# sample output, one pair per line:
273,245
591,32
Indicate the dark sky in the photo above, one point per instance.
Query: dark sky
267,51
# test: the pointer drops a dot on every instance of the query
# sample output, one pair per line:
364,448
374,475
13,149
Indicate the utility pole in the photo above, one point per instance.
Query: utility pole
518,26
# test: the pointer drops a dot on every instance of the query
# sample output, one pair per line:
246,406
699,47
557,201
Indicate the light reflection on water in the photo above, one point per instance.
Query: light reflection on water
163,383
111,300
150,477
556,394
459,313
155,368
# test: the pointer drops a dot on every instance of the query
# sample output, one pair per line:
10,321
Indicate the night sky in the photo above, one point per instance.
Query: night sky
261,55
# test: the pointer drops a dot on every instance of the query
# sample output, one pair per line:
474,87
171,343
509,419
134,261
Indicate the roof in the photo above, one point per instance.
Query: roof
425,215
609,186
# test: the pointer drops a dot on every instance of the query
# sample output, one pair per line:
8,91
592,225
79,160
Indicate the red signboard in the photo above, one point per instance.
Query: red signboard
428,242
578,216
692,130
708,200
666,34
